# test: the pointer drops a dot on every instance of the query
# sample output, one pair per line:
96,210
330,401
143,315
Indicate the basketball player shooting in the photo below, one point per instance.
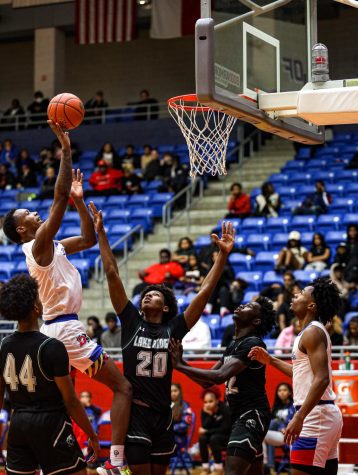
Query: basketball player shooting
60,288
316,427
35,371
147,364
245,387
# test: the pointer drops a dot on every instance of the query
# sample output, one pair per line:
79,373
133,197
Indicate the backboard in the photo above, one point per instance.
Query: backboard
247,46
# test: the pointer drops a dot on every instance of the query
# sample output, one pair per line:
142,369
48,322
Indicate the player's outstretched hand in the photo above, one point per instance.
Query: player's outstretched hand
97,217
227,240
77,188
62,136
93,449
176,352
259,354
293,429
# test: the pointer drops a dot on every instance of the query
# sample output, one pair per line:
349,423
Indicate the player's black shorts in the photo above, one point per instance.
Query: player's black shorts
42,439
247,434
153,431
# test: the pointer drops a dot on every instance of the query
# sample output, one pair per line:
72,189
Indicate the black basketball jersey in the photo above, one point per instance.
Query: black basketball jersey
29,361
246,390
146,358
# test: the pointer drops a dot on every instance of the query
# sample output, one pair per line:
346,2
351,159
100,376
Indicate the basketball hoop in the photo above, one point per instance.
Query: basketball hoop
206,132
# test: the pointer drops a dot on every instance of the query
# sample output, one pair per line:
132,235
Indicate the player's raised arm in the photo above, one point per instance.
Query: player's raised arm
116,288
262,356
225,245
87,238
43,248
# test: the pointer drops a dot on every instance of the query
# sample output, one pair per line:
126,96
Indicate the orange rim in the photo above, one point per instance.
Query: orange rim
184,104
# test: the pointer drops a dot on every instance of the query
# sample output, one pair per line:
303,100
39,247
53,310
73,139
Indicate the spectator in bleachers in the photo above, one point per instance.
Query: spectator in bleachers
146,156
11,114
268,203
206,252
48,185
337,276
193,276
3,239
22,157
237,291
47,159
173,175
351,337
153,169
112,337
351,272
94,329
105,181
130,157
282,404
214,431
184,250
182,415
342,255
199,336
220,299
38,109
319,254
96,106
239,205
293,256
8,153
148,106
7,178
353,163
287,337
109,155
130,182
166,271
317,202
93,412
27,178
335,330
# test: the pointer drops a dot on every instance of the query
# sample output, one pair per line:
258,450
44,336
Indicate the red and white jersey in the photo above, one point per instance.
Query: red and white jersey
60,286
302,371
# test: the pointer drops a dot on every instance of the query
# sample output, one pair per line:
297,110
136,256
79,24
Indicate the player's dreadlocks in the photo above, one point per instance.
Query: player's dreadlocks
169,300
327,298
268,316
17,297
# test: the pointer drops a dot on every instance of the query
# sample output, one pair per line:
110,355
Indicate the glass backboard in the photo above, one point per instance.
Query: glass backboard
244,47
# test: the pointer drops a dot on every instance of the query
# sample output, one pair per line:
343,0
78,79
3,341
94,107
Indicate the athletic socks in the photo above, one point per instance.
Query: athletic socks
116,455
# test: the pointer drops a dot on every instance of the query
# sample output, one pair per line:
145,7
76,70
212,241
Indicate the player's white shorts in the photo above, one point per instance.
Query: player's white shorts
82,351
318,441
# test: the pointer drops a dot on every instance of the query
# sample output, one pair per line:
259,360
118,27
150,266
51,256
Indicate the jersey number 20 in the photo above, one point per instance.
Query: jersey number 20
159,367
26,375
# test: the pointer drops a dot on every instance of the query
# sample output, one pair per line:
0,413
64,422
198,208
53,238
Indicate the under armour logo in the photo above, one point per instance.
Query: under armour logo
250,423
70,441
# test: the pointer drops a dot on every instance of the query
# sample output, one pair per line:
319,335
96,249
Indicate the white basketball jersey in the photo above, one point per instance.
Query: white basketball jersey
302,371
60,287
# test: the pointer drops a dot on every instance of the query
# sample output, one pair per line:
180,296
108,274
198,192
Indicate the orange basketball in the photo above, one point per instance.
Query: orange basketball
67,110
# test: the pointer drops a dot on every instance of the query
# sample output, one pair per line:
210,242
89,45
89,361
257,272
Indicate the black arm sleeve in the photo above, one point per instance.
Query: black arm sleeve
54,359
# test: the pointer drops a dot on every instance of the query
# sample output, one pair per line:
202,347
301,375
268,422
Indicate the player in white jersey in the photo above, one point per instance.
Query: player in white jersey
316,427
60,288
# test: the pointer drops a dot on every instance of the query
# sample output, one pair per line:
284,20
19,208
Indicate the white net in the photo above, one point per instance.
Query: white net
206,132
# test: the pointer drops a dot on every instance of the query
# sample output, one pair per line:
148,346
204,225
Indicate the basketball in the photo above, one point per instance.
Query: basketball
67,110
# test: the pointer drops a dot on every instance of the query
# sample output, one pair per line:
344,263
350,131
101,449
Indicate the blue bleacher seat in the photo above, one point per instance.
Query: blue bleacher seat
305,276
99,201
335,189
294,165
288,206
286,192
7,253
151,186
202,241
240,241
342,205
236,224
144,217
258,242
325,176
335,237
253,279
183,301
271,277
298,179
304,153
83,266
118,216
20,267
71,218
69,231
303,223
6,270
328,222
138,201
9,194
226,321
86,165
157,201
117,231
214,322
352,189
279,224
350,218
307,238
89,155
278,179
279,240
253,225
249,296
346,176
265,260
6,205
117,201
33,205
240,262
304,190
